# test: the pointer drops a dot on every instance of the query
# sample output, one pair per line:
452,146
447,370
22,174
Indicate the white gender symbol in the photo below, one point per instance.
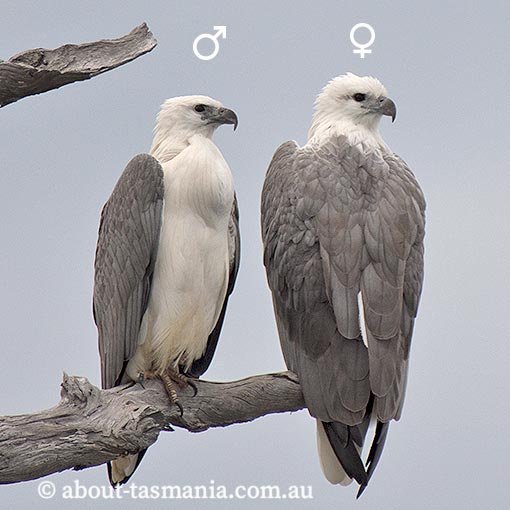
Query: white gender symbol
362,46
221,31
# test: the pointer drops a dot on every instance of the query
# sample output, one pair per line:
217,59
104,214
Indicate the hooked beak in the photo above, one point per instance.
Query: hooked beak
387,107
224,116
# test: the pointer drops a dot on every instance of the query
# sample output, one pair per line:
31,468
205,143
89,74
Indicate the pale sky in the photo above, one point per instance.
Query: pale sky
444,64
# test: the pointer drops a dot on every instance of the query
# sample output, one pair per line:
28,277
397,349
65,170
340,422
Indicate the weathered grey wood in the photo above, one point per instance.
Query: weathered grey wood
90,426
39,70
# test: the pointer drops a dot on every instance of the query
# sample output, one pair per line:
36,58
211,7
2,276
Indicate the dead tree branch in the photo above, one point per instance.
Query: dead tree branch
39,70
90,426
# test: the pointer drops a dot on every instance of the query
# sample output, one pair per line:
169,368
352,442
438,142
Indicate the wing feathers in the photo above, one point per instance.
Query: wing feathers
337,220
125,254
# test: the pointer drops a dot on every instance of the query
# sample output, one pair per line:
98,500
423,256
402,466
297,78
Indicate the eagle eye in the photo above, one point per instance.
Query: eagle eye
359,97
200,108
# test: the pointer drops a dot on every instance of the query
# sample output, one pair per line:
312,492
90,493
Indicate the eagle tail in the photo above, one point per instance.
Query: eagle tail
331,467
339,448
121,470
381,432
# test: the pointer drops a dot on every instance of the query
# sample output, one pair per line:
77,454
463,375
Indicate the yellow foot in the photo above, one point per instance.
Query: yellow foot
170,389
169,378
181,380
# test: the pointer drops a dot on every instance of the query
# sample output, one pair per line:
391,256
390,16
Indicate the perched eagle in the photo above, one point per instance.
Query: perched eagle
167,256
343,227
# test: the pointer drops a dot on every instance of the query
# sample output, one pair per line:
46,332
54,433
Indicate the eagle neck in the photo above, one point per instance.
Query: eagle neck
356,134
169,143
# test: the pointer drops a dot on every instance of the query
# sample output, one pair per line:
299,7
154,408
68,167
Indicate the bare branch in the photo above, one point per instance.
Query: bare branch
39,70
90,426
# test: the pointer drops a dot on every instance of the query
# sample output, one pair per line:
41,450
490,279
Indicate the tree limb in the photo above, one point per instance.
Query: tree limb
39,70
90,426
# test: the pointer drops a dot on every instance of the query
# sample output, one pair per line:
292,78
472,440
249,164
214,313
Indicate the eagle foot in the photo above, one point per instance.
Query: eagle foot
170,389
168,383
182,381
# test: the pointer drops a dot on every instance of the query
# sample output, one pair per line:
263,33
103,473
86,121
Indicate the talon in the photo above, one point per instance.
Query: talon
182,380
170,378
141,379
130,384
194,386
178,378
170,389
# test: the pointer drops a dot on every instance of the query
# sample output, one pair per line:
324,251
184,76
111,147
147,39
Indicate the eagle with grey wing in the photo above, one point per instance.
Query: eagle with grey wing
343,230
167,257
126,251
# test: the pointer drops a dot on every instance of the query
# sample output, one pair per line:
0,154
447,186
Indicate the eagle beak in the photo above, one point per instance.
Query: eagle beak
225,116
386,107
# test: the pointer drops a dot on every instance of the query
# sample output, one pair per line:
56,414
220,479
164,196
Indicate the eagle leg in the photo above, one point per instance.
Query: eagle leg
182,380
168,382
170,389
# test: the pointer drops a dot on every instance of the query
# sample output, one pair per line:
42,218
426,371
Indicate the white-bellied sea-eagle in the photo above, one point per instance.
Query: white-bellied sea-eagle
343,227
167,256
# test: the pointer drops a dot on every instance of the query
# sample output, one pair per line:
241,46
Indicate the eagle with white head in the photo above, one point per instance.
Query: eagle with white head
343,227
167,256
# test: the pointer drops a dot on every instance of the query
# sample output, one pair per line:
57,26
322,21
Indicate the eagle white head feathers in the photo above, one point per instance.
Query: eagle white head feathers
351,105
181,118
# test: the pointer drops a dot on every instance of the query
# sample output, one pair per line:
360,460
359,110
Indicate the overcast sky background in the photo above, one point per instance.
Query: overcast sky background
446,66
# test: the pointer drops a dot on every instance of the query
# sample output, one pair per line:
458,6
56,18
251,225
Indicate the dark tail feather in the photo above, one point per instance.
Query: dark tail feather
375,453
140,454
342,439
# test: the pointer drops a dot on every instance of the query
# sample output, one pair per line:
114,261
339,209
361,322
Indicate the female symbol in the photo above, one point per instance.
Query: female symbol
362,46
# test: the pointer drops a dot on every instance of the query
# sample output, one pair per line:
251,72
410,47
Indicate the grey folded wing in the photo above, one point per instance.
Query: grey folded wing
337,222
125,255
